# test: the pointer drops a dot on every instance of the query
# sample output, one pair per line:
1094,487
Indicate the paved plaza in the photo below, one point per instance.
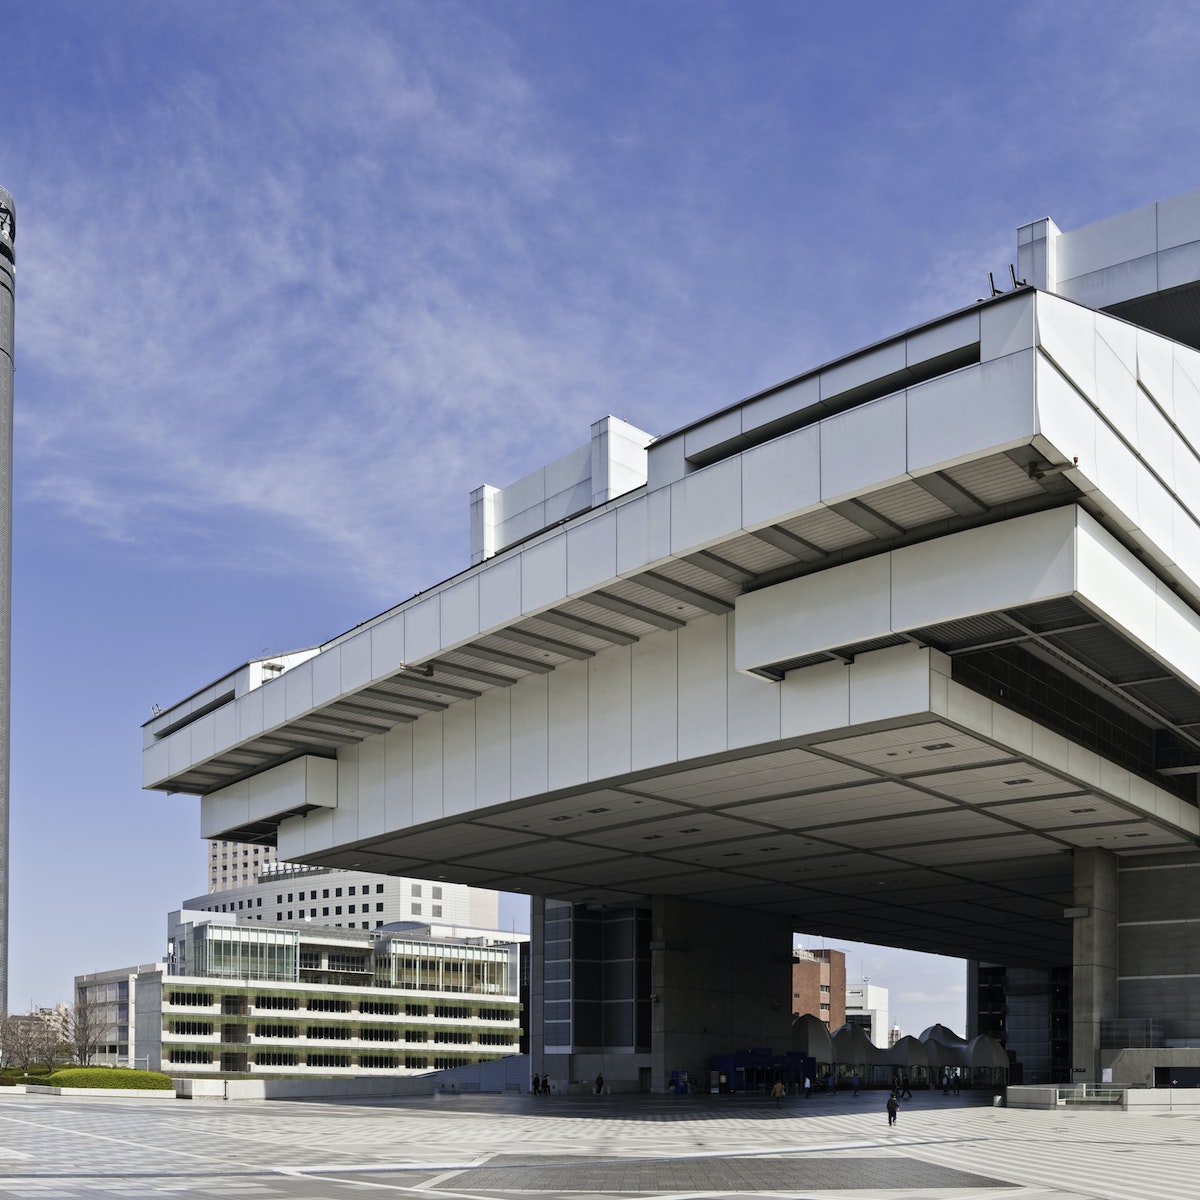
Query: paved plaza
463,1147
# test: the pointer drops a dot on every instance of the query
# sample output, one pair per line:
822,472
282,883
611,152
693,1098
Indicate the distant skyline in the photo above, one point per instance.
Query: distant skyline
293,279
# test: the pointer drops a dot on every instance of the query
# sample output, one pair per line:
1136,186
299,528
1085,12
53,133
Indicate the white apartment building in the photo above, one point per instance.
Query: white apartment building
235,864
350,899
236,997
867,1005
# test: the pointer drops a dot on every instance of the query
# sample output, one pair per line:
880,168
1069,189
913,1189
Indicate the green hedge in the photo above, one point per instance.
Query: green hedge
107,1077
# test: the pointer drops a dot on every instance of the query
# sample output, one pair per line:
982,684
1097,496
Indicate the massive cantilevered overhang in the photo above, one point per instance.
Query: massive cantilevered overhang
1018,476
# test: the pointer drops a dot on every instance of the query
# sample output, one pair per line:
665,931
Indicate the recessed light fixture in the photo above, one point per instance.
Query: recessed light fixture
1016,782
939,746
691,829
652,837
732,854
594,811
562,817
1082,810
1136,835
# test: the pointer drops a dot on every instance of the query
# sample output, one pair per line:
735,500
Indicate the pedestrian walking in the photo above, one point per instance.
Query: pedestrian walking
537,1084
893,1107
906,1090
807,1087
778,1091
854,1081
599,1085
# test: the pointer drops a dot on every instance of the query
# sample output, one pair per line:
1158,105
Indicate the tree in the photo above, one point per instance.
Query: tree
23,1036
88,1026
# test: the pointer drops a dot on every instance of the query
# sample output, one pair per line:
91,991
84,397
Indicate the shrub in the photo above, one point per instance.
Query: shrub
107,1077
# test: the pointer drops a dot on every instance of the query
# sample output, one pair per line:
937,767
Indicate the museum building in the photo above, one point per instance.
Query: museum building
905,649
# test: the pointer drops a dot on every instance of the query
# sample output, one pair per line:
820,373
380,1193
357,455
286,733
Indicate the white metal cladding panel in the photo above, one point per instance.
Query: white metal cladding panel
864,447
644,531
345,816
458,731
460,611
952,418
836,607
706,506
1007,328
529,719
398,783
592,553
1105,243
428,760
982,570
703,694
372,767
500,592
544,573
493,756
568,747
655,699
753,705
781,477
890,681
609,733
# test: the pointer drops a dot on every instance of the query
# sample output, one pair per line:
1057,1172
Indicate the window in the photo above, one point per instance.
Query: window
279,916
289,914
337,891
416,1010
277,1031
378,1035
276,1002
276,1058
416,910
379,906
386,1062
416,1035
437,893
193,1028
378,888
259,902
189,1056
312,912
437,910
325,911
336,1033
329,1060
350,908
416,889
380,1008
322,1004
279,899
325,895
453,1011
452,1038
416,1062
337,911
312,896
350,891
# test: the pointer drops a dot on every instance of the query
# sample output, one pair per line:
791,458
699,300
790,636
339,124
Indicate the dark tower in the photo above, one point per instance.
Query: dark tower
8,235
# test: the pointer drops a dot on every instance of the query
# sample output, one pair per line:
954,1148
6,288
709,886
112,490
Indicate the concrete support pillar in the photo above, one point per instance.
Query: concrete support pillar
1094,975
721,980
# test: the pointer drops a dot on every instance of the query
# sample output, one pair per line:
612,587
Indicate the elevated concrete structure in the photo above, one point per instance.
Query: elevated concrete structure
906,649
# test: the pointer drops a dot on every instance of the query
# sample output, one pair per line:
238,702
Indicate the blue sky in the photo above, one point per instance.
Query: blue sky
294,278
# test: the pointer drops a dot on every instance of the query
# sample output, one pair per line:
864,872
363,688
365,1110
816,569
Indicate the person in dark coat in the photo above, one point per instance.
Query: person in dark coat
893,1107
